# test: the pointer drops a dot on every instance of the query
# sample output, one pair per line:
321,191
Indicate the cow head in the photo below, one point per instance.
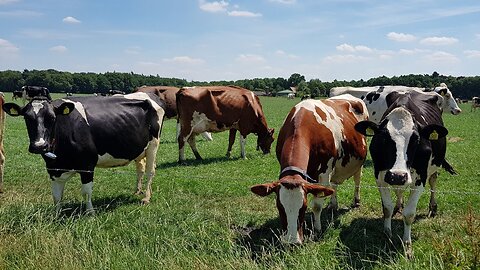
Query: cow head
449,103
40,116
396,143
291,194
264,141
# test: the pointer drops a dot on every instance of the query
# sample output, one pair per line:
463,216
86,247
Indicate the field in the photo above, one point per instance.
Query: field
203,215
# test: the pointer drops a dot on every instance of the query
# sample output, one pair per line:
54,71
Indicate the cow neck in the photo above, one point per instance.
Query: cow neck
297,170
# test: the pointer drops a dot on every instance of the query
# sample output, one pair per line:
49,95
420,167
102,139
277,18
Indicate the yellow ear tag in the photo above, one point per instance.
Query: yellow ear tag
433,136
13,111
66,111
369,132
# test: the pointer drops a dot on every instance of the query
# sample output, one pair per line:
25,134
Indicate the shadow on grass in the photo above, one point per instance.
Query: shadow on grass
102,205
367,245
264,241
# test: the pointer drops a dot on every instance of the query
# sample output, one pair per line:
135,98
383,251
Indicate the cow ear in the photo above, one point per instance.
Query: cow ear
64,108
433,132
367,128
318,190
12,109
265,189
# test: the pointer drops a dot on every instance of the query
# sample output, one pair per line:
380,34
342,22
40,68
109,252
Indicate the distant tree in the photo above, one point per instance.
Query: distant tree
295,79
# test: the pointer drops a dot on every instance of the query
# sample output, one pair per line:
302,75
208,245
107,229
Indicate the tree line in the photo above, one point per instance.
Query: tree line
89,83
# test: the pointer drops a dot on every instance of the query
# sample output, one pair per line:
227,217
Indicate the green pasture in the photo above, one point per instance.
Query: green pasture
203,215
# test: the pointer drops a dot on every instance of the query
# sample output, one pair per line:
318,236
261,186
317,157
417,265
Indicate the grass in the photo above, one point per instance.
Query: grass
203,216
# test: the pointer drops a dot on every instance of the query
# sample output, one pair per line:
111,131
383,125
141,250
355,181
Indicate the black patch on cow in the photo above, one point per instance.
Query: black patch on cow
372,96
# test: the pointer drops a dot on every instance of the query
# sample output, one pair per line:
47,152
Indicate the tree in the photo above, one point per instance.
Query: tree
295,79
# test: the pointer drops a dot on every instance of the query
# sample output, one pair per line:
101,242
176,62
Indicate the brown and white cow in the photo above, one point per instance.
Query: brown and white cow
220,108
316,144
2,129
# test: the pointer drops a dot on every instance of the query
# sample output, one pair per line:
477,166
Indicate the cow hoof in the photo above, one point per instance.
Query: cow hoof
228,155
138,192
90,212
356,204
182,162
432,212
144,201
408,251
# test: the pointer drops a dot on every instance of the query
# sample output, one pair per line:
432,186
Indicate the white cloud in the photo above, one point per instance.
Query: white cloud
288,2
472,53
184,60
410,52
438,41
5,2
70,19
441,56
132,50
238,13
250,58
7,47
349,48
400,37
58,49
216,6
284,54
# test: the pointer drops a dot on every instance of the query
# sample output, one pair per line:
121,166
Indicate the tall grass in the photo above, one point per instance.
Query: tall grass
203,216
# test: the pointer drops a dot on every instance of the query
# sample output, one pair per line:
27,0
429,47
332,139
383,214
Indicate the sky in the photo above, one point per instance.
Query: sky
203,40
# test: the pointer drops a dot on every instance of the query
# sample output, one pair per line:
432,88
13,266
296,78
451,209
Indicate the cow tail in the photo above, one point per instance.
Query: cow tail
449,168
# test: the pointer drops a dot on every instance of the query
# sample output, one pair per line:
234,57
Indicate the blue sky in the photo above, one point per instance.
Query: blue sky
229,40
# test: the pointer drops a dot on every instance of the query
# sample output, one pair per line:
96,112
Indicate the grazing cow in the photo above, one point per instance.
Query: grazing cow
112,92
291,96
376,99
2,129
17,94
307,96
30,92
475,103
167,94
77,134
220,108
318,144
407,148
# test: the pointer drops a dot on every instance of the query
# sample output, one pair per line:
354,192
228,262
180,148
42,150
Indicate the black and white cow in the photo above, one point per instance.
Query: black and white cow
30,92
77,134
407,148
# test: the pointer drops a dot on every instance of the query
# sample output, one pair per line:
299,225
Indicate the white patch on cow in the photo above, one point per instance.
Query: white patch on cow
37,105
107,161
40,142
292,201
400,126
333,121
79,107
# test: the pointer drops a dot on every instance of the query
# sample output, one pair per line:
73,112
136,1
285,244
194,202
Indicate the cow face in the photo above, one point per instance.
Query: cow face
40,116
398,142
449,103
291,194
264,142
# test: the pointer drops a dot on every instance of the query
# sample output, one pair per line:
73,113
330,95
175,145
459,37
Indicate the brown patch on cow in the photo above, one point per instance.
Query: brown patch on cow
167,94
454,139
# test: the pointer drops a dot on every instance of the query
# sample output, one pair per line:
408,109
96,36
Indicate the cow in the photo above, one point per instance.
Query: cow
77,134
2,130
475,104
220,108
168,95
17,94
30,92
317,148
291,96
407,148
374,97
307,96
112,92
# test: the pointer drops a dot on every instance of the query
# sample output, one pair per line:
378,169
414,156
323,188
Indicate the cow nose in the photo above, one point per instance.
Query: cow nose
37,149
456,111
396,178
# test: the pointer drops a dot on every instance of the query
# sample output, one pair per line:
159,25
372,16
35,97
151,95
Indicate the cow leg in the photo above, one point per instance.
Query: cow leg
356,193
193,146
2,165
87,190
399,203
151,156
409,216
58,186
207,136
243,142
182,137
231,140
387,209
432,208
333,205
140,165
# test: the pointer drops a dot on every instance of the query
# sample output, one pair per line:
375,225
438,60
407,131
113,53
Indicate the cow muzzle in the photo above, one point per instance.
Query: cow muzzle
396,178
38,148
456,111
